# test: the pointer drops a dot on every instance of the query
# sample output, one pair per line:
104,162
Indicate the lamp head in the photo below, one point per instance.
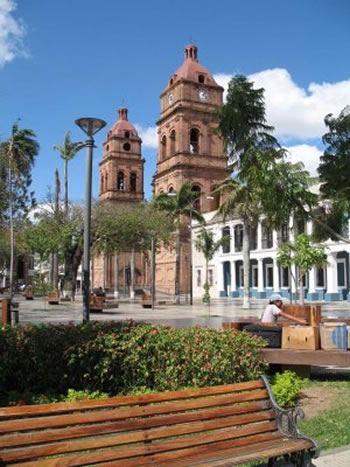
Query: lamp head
90,126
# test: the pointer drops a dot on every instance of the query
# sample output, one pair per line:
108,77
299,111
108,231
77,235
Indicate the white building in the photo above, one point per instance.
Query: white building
331,283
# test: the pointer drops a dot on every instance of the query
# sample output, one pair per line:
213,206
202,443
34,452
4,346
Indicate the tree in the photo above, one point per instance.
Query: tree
334,168
304,255
206,244
242,123
118,229
180,206
249,143
333,213
19,152
67,152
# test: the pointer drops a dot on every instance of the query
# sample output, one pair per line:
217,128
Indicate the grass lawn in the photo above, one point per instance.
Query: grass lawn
331,426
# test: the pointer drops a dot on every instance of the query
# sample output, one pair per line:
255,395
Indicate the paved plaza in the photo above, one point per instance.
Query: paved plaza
185,315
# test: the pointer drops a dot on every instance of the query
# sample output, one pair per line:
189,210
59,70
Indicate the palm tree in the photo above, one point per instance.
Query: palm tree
206,244
67,152
181,204
20,151
241,201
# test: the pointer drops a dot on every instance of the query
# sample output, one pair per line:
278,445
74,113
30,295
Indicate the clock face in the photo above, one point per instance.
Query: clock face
203,95
170,99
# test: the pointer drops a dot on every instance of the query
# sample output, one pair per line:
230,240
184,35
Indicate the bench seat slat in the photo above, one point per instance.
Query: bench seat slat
119,414
163,446
134,424
219,454
142,436
45,409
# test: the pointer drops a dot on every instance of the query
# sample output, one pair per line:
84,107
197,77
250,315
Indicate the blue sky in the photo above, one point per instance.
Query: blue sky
61,60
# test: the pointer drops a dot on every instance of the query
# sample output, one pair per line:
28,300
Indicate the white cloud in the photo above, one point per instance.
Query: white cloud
11,33
307,154
148,135
296,112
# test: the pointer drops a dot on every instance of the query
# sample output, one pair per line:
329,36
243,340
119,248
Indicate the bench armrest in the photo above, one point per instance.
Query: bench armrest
286,419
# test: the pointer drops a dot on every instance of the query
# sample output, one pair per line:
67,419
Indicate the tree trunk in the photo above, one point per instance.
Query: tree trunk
116,275
12,236
57,207
66,187
301,287
104,271
72,259
132,274
246,265
207,278
177,268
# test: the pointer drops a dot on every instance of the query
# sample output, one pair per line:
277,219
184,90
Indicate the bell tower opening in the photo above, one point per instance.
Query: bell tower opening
194,141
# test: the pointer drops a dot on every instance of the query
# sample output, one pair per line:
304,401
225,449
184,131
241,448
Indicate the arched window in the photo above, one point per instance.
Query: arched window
171,190
201,78
127,134
120,181
106,182
194,141
133,181
227,234
172,142
163,148
102,184
197,203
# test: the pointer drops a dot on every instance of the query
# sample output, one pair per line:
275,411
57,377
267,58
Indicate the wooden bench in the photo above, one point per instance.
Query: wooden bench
53,298
96,303
220,425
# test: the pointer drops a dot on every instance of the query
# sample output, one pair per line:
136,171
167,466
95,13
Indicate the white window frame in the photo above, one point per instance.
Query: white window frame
241,276
324,286
342,261
199,278
268,266
283,286
255,268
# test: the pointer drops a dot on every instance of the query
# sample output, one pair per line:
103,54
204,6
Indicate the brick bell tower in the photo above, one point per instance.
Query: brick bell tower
122,166
188,149
121,183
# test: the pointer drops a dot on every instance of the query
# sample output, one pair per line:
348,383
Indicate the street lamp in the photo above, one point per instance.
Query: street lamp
90,127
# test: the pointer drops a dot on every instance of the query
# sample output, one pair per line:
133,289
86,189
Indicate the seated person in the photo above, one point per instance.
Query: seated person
273,311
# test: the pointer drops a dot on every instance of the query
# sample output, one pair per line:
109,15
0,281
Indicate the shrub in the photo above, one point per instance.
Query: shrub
117,358
286,388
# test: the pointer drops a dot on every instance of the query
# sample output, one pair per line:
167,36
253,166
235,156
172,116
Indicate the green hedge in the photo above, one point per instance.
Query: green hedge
119,357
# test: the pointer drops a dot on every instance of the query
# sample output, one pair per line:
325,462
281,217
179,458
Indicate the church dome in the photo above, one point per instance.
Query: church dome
122,127
192,70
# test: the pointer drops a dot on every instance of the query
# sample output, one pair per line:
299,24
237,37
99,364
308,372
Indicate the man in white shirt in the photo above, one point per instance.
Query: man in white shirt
273,311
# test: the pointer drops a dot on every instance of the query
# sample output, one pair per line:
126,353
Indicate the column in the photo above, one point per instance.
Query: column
332,293
234,292
259,235
261,291
221,290
276,277
312,294
274,239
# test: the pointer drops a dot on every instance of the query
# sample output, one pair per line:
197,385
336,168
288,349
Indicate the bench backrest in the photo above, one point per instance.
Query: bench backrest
132,430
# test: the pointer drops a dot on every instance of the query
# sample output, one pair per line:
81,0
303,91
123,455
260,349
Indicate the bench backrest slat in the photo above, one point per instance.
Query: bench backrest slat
80,431
61,407
142,436
123,413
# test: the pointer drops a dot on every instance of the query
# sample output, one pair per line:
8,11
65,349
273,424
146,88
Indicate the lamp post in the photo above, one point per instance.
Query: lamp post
90,127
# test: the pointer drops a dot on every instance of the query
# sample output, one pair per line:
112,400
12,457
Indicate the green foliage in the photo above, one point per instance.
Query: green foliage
286,388
117,358
334,168
303,253
41,287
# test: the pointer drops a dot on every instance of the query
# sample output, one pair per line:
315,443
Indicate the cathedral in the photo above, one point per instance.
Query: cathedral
188,151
